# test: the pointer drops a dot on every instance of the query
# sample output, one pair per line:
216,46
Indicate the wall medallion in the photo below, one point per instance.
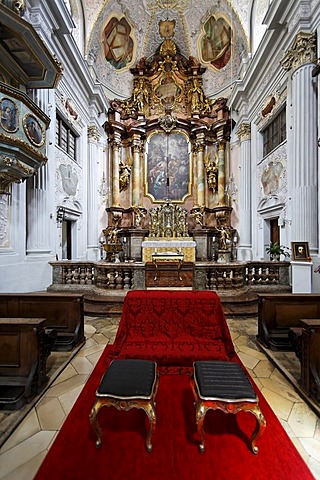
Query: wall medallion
33,130
9,115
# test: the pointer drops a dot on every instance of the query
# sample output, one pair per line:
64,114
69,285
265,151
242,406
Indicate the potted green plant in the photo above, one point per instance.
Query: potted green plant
275,251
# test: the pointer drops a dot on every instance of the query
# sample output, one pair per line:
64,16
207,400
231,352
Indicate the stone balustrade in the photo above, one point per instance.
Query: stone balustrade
89,276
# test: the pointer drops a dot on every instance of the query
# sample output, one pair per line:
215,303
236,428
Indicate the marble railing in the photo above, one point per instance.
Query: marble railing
87,276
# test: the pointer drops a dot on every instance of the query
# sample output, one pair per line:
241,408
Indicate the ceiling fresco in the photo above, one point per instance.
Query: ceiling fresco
115,34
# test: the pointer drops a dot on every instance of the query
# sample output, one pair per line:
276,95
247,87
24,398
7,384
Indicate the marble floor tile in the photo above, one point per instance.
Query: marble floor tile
22,454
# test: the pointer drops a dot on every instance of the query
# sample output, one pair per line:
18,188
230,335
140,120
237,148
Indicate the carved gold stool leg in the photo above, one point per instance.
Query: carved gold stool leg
94,421
220,385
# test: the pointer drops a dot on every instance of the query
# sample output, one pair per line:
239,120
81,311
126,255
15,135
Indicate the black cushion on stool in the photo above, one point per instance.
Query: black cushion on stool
128,379
219,380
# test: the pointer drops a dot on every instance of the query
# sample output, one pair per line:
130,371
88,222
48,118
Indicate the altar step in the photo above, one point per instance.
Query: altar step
234,306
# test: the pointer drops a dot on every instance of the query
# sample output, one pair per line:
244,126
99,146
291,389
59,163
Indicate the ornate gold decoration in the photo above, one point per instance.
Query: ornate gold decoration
111,235
212,171
21,143
302,51
167,122
166,28
168,221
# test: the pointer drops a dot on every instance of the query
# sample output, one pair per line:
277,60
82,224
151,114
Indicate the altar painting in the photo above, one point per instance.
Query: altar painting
168,166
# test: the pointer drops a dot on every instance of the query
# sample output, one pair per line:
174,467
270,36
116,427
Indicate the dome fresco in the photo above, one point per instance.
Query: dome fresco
219,33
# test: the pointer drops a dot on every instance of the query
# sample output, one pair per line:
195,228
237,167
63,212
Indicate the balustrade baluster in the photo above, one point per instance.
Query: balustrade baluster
112,277
82,276
119,279
126,280
76,276
89,275
69,276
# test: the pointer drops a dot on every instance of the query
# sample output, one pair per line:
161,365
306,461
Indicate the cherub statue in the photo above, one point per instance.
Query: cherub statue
139,214
198,214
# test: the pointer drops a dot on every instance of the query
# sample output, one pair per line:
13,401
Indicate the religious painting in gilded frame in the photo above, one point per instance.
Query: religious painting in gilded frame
168,166
9,115
33,130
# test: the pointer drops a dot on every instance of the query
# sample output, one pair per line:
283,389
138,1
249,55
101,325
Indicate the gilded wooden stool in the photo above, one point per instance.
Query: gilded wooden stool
127,384
225,386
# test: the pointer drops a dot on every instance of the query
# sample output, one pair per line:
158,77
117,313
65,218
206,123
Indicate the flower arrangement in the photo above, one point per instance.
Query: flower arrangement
275,250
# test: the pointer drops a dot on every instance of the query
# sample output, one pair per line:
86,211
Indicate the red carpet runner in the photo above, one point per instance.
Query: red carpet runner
175,455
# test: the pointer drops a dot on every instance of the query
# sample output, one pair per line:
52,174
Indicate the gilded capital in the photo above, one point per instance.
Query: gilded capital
244,132
303,51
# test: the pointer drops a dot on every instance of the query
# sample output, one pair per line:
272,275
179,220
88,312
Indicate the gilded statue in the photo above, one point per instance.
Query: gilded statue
197,100
111,235
124,174
140,97
212,171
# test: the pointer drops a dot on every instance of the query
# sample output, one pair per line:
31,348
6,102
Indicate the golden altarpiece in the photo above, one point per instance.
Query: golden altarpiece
168,164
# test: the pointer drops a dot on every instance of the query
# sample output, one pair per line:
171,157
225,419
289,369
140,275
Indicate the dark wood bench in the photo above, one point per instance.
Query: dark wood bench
277,313
23,355
62,312
306,344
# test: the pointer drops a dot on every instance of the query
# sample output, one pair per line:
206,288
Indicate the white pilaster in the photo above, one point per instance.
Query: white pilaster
245,240
302,140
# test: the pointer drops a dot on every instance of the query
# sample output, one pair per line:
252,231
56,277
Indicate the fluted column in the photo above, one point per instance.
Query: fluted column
37,208
302,140
115,145
136,170
92,187
245,208
199,148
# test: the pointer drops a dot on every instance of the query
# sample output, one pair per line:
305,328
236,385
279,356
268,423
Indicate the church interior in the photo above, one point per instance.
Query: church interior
157,145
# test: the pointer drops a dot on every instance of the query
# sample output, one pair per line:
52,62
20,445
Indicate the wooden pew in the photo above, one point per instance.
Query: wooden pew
306,341
277,313
23,355
62,312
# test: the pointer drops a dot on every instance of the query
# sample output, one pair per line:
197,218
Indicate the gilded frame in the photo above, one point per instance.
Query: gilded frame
9,115
33,129
168,166
300,251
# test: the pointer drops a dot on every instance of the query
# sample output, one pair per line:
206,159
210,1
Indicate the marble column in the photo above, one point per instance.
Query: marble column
136,170
115,145
302,140
245,208
199,148
92,188
221,171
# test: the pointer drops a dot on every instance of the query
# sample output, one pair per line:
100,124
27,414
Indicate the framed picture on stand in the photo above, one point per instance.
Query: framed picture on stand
300,251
